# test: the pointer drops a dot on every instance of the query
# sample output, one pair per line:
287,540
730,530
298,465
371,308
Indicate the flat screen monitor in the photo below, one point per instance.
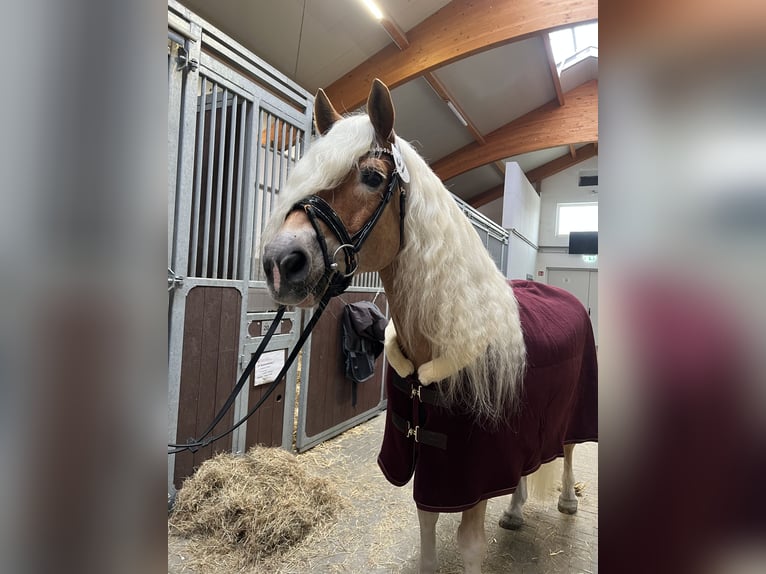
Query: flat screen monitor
583,242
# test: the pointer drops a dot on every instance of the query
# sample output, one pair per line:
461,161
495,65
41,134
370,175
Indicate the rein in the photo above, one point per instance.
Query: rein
337,282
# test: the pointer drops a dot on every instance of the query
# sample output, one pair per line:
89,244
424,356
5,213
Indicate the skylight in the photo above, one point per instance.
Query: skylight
570,45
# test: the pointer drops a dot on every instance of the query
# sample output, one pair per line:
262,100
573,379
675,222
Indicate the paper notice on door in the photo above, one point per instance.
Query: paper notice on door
268,366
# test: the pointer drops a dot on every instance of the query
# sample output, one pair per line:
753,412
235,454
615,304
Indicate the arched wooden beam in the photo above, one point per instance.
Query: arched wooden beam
538,174
548,126
561,163
486,196
459,29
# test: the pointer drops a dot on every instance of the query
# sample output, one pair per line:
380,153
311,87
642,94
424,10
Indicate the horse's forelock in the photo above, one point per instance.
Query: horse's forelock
324,166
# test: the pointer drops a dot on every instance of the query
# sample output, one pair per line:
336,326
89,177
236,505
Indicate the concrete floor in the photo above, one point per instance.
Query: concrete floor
378,530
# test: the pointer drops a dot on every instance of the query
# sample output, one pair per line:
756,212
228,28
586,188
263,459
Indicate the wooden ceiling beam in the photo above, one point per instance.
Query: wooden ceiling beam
442,92
548,126
395,33
459,29
552,65
572,151
561,163
535,176
486,196
400,39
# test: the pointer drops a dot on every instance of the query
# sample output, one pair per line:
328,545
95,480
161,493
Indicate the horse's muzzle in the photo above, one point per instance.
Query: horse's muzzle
293,267
290,266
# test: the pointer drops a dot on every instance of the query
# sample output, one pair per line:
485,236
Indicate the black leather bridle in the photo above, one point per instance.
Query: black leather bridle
337,282
317,208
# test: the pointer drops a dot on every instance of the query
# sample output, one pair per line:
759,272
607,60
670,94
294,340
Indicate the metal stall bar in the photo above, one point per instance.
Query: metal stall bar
230,190
219,186
209,183
192,270
487,230
260,210
289,154
283,152
175,95
182,121
238,273
272,138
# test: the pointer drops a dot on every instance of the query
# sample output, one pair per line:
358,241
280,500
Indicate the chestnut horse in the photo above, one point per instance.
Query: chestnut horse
488,382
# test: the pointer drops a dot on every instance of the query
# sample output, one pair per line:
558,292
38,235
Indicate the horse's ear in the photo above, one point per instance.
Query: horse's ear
324,114
380,108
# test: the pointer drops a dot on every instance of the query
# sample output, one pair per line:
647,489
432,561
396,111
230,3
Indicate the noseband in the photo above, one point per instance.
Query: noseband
317,208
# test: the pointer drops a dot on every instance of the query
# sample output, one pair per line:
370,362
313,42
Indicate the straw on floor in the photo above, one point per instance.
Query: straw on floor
244,508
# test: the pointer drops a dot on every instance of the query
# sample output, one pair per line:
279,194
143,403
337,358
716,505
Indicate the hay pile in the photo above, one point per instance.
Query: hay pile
245,508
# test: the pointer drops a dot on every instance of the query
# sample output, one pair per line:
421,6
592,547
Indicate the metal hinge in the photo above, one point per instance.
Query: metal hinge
185,62
174,281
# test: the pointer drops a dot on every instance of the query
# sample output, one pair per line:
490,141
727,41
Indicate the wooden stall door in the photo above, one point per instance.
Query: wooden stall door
326,407
208,370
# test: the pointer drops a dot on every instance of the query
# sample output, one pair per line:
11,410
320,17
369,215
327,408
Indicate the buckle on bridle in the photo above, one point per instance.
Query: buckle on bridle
415,392
334,265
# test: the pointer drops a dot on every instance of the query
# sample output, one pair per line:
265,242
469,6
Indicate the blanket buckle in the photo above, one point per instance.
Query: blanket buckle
412,431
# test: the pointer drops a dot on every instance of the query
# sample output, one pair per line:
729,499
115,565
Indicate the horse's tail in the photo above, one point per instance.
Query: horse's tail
542,482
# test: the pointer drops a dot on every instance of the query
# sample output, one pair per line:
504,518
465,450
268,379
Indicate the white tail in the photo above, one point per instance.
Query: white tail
542,482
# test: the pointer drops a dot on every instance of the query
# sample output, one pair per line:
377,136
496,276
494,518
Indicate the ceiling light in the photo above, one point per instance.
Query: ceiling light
459,116
373,8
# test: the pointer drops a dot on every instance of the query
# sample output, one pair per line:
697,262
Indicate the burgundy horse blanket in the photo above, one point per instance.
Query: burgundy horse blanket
458,463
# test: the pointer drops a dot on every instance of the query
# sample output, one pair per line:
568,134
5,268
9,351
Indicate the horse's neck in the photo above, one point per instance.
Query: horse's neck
417,350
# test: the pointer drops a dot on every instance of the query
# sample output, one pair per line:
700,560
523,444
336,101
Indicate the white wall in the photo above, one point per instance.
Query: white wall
521,216
493,210
522,259
561,188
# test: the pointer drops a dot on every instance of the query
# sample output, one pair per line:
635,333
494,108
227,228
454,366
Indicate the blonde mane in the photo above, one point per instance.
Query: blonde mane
445,283
453,294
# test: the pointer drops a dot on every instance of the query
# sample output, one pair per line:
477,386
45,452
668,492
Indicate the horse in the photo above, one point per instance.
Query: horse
490,379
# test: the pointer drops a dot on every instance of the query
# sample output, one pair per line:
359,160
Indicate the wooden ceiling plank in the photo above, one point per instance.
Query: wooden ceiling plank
548,126
561,163
553,69
459,29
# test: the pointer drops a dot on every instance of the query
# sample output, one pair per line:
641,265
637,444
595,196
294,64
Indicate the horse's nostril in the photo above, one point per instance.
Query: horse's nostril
294,266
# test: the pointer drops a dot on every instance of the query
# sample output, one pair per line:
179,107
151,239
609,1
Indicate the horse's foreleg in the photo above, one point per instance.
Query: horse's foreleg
567,498
427,541
513,518
471,539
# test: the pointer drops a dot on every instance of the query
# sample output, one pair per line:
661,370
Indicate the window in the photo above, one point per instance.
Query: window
573,44
576,217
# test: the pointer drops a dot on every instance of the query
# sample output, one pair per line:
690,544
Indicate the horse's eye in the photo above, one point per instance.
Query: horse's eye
371,178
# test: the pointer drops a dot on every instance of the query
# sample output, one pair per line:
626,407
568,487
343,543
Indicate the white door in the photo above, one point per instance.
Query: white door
583,284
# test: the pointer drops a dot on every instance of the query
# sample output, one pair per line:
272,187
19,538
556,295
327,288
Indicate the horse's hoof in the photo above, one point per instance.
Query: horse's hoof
510,522
567,506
